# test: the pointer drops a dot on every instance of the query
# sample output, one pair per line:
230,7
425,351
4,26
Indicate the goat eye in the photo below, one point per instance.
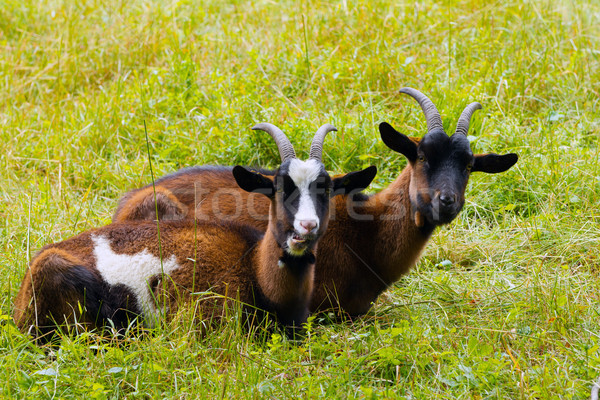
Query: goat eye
288,186
469,167
422,159
321,186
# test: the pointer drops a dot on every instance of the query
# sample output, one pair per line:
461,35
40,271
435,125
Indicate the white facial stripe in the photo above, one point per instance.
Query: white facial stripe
303,173
133,271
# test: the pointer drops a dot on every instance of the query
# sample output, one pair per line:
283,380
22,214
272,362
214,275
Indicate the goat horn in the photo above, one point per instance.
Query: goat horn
432,115
316,147
286,150
462,127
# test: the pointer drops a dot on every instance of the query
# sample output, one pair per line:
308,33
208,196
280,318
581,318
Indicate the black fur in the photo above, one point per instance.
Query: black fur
102,301
446,163
252,181
354,182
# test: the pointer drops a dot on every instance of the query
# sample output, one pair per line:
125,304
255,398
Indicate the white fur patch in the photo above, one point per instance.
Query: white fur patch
303,173
133,271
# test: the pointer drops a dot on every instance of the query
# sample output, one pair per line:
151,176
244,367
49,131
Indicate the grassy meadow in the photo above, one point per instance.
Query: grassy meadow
504,303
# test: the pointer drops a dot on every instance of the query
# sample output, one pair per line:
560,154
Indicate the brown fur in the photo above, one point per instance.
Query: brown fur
285,287
169,208
357,259
36,305
227,259
192,195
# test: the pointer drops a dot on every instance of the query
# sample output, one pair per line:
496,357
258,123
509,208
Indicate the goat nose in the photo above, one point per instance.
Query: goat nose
447,199
308,224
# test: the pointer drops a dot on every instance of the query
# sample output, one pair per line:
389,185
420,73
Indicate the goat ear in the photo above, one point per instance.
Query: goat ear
253,182
494,163
353,182
398,142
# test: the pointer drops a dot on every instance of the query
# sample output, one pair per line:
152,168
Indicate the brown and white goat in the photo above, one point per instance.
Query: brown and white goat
112,274
371,241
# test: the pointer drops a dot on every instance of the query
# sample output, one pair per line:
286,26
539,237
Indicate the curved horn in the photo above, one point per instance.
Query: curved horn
286,150
432,115
462,127
316,147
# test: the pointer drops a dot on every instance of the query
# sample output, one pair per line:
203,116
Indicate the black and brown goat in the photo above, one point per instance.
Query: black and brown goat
111,274
371,241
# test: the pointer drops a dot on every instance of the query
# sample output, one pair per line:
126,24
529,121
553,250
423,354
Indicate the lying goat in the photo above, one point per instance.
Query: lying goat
115,273
371,240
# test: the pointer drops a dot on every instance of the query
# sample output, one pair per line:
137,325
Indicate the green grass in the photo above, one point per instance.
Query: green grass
514,313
